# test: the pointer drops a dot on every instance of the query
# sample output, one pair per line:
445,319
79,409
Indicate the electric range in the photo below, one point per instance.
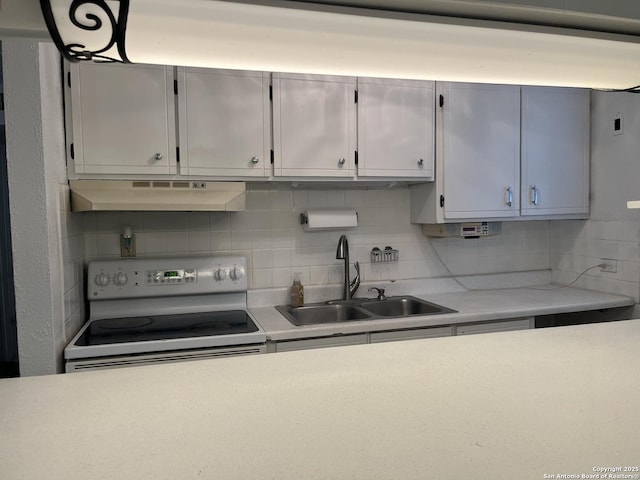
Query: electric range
156,310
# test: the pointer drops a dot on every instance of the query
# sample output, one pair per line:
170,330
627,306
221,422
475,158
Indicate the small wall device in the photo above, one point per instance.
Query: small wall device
464,230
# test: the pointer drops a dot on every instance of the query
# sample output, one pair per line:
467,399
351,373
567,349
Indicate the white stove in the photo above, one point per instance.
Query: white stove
145,311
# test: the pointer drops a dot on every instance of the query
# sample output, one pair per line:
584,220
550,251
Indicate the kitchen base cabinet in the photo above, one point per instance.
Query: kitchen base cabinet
501,326
413,334
334,341
399,335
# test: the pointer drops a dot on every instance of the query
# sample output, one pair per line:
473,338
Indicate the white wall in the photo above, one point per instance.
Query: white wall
44,239
73,253
613,231
270,235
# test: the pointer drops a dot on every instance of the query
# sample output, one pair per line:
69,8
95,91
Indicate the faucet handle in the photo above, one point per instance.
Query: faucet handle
355,283
356,279
380,292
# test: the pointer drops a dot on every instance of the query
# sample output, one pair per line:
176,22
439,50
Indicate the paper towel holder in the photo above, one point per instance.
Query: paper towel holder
328,222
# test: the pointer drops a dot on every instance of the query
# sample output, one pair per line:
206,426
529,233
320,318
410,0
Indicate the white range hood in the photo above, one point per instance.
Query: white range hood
158,195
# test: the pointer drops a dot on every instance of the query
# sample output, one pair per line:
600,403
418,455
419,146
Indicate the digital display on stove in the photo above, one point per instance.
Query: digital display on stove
172,273
164,327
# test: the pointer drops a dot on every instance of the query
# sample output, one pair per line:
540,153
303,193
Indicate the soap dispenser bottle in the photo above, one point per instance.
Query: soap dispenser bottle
297,291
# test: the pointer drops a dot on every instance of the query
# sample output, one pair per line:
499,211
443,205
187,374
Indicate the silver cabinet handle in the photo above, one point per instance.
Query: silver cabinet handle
157,156
421,162
534,195
254,160
509,196
341,162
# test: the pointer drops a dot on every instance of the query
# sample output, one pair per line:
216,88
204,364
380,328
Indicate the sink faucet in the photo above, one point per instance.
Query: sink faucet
342,253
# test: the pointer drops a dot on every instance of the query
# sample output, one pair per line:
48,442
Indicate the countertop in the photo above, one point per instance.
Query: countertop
471,306
501,406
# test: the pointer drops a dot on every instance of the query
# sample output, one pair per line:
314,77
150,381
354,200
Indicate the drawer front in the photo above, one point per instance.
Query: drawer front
321,342
505,326
379,337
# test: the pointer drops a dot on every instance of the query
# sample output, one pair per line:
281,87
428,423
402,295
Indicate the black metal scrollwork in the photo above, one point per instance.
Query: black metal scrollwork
91,16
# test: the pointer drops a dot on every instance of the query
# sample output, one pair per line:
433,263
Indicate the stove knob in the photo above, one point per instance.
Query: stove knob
220,274
236,273
102,279
120,279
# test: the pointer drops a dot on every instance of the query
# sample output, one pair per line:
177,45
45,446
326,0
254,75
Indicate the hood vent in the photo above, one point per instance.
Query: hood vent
161,195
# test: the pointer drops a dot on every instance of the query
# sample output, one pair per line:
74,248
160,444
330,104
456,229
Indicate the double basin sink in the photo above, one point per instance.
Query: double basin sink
360,309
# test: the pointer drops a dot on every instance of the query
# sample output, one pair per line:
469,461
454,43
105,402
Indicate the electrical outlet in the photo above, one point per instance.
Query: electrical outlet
200,185
618,124
128,246
611,265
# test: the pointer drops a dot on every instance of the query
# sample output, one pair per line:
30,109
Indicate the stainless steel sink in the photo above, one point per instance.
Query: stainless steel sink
336,311
323,313
403,307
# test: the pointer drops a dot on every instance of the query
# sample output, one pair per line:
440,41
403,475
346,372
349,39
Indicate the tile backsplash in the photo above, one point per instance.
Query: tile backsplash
270,235
579,245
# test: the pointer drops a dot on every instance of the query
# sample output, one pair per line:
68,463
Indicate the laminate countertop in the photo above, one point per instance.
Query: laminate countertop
471,305
522,404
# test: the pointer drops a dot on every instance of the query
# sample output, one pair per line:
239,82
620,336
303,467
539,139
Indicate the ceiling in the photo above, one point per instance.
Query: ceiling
612,16
584,43
24,18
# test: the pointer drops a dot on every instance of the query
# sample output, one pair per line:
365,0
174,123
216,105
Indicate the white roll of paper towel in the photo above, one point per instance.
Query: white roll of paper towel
327,218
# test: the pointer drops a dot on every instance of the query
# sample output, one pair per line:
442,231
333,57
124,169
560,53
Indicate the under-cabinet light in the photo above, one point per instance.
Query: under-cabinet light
223,34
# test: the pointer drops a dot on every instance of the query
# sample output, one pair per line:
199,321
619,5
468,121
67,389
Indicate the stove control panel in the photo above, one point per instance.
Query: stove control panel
171,277
146,277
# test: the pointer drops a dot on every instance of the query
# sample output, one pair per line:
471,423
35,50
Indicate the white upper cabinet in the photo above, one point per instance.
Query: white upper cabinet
555,151
224,119
479,150
507,152
395,128
314,125
122,119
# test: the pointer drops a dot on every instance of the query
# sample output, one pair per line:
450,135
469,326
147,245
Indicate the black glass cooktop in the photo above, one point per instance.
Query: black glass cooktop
164,327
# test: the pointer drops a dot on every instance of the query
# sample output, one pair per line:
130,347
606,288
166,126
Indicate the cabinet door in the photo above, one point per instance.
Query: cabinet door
314,125
504,326
395,128
224,122
123,119
555,151
480,150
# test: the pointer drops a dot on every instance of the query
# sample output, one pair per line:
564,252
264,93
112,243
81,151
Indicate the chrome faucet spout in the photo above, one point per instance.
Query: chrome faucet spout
349,288
342,253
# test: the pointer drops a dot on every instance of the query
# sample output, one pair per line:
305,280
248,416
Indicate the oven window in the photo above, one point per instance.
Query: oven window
163,327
